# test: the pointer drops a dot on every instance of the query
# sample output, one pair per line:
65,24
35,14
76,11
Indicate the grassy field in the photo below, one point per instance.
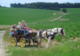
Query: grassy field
44,19
64,48
30,15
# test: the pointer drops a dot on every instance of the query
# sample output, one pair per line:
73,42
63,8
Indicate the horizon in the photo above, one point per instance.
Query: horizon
6,3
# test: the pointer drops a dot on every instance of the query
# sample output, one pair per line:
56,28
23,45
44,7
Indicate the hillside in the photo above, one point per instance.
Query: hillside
44,19
13,15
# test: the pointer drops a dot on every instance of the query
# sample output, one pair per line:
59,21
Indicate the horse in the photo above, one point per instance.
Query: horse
35,37
58,31
50,34
32,36
53,32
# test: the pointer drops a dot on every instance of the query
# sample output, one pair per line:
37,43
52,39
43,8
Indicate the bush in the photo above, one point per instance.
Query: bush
64,10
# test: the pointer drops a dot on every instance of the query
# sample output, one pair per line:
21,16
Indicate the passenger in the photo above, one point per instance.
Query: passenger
12,30
26,29
19,31
23,23
19,25
21,28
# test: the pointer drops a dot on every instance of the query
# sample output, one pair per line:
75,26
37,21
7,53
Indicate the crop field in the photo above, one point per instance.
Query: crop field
45,19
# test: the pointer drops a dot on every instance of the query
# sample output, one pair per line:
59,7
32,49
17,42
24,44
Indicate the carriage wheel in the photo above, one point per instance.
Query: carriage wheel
22,42
13,41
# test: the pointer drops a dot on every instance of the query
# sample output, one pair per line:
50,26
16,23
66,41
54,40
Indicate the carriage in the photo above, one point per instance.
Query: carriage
23,38
23,35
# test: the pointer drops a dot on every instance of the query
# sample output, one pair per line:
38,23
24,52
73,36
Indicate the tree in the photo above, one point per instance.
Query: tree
64,10
43,5
0,6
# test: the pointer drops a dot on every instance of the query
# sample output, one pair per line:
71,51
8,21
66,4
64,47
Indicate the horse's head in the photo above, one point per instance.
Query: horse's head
53,32
62,32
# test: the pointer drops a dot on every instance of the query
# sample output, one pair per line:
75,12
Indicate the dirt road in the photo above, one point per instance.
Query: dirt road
2,49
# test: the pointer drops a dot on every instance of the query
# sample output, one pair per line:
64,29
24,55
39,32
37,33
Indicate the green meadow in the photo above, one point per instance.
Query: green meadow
45,19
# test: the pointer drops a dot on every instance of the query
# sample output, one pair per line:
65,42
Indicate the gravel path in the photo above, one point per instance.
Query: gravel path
2,49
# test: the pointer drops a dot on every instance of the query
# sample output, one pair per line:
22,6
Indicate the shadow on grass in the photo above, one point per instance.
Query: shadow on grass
31,46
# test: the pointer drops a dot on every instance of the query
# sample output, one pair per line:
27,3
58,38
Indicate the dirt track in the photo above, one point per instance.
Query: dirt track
58,18
2,49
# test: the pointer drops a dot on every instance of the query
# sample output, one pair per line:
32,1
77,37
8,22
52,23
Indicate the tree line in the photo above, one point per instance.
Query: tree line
43,5
0,6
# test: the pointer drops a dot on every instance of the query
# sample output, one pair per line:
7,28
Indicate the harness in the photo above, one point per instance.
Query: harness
40,34
47,34
52,35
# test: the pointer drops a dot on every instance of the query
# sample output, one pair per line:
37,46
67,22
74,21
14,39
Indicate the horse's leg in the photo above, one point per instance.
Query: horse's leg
16,41
49,42
29,42
33,42
39,42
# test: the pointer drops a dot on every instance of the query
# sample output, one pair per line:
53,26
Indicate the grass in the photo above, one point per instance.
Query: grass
30,15
43,19
65,48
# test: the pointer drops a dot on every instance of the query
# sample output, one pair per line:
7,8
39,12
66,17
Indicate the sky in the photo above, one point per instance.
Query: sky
8,2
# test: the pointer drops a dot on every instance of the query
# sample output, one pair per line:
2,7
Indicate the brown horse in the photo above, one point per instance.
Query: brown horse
32,37
18,36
